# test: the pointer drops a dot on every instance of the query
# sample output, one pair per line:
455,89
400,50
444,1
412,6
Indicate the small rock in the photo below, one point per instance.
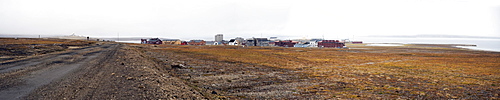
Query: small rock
446,89
435,81
130,78
213,92
175,65
123,64
439,94
448,95
422,93
112,73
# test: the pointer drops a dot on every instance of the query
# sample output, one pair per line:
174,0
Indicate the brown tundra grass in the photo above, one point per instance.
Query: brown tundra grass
407,72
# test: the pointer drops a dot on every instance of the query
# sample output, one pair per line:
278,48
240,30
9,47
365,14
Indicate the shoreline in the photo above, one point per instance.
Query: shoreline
459,46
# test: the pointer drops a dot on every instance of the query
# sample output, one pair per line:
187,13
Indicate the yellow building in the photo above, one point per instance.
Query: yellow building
172,41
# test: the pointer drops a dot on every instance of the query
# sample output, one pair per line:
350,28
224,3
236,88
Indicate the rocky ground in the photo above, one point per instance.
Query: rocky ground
120,71
104,71
123,73
109,70
223,80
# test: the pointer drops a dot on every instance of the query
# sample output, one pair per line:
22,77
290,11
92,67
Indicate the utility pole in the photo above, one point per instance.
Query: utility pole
118,36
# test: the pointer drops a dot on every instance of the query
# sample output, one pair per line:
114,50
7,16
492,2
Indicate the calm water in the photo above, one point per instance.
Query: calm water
482,44
130,41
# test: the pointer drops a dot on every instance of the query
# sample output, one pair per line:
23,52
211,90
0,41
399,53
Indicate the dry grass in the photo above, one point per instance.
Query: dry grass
415,72
41,41
11,48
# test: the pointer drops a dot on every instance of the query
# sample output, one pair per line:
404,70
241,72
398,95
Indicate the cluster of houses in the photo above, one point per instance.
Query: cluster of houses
238,41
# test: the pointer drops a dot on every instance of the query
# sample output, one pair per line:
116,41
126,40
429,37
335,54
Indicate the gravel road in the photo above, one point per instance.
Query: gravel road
105,71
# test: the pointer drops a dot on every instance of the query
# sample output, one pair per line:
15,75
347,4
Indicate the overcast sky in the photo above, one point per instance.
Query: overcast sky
202,19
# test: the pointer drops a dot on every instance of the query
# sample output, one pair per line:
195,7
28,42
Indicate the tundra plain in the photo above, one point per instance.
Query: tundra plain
109,70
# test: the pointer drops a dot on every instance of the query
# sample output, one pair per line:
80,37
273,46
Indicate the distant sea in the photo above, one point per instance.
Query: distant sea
130,41
487,44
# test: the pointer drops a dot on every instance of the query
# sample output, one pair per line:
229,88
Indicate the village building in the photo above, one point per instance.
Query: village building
303,45
184,43
306,42
331,44
219,38
233,42
314,42
151,41
144,41
273,39
285,43
236,41
257,42
223,42
197,42
353,42
209,42
272,43
172,41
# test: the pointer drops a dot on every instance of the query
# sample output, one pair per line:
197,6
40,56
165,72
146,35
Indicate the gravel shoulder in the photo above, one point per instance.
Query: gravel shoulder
120,74
107,71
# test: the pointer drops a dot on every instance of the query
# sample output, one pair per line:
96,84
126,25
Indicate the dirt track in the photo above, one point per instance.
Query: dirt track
120,71
95,72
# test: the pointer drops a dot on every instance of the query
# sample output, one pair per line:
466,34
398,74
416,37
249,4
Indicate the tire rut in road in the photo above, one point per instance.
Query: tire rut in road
121,74
21,78
19,64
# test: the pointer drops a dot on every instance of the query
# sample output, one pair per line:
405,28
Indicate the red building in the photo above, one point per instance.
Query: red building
331,44
184,43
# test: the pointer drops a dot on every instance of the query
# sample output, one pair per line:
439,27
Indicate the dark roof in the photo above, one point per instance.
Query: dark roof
316,40
232,40
196,40
261,39
154,39
171,39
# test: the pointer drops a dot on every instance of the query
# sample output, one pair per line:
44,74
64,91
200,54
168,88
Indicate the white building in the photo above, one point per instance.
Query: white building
219,38
237,41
